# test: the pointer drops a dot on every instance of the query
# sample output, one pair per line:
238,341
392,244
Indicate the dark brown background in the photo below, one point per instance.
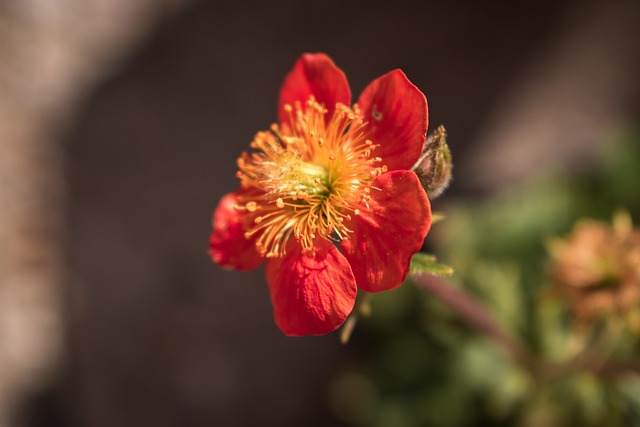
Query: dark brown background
159,336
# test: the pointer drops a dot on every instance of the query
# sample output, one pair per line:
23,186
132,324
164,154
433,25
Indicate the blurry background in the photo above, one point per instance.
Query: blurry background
120,123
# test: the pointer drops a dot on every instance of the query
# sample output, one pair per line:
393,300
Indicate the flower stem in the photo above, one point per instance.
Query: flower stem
477,316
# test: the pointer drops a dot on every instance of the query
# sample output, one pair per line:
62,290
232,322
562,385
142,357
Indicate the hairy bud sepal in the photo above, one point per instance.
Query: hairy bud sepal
434,166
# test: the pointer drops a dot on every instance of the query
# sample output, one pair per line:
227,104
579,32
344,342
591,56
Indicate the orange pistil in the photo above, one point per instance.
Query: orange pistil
311,174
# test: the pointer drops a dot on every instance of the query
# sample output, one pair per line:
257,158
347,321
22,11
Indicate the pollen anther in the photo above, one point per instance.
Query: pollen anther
311,174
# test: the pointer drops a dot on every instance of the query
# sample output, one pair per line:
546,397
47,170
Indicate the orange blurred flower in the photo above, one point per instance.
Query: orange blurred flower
597,267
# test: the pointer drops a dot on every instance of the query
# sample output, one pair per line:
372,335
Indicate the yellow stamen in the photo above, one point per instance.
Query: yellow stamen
311,173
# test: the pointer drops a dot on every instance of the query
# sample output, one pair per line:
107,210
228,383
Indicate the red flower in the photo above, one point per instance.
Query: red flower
326,175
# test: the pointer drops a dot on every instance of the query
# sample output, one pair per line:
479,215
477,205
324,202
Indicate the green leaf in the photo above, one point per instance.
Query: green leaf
426,263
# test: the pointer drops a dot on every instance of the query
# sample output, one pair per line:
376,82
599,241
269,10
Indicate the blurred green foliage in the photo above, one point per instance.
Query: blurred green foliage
418,364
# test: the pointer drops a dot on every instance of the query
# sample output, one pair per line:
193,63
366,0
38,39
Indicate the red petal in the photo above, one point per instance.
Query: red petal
398,118
387,235
227,245
314,74
311,294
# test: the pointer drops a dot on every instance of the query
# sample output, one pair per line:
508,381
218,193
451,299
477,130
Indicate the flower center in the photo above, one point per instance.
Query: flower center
306,178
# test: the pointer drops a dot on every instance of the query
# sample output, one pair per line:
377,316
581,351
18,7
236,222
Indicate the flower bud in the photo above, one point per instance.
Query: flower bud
434,167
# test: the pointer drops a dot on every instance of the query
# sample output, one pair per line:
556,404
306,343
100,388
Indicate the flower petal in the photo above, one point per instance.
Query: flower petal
314,74
227,245
387,235
398,118
311,294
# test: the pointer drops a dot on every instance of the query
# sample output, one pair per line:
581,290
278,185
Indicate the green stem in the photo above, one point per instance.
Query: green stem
477,316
